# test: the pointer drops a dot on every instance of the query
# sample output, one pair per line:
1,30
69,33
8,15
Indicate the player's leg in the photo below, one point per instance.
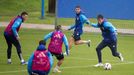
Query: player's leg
71,41
18,48
9,44
78,40
59,63
60,58
102,45
113,48
9,51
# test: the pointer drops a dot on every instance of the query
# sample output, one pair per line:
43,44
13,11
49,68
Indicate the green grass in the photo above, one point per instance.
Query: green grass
78,63
11,8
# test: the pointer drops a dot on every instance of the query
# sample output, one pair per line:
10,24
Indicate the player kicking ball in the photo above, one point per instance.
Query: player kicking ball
80,20
41,61
55,45
109,34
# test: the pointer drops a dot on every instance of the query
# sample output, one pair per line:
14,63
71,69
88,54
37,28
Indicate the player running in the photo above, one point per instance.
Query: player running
12,37
80,19
55,45
109,34
41,61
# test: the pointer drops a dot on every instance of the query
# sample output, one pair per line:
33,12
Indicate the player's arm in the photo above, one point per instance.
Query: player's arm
48,36
50,59
29,67
84,19
94,25
15,26
71,27
66,44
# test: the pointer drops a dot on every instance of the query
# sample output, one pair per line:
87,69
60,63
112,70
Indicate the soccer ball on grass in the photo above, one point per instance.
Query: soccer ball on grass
107,66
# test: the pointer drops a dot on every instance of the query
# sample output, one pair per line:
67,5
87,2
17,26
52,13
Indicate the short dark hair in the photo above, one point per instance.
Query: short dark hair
77,6
42,42
24,13
58,27
100,16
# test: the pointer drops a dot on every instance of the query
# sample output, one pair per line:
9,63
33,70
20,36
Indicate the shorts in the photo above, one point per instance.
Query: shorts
39,73
58,56
76,36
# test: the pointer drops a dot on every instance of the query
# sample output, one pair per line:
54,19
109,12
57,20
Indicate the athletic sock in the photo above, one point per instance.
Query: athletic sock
22,61
9,60
57,67
86,42
21,58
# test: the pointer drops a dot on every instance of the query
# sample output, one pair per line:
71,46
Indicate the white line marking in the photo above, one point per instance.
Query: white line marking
86,66
79,58
13,71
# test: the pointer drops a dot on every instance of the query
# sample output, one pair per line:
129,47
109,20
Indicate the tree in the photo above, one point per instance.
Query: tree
51,6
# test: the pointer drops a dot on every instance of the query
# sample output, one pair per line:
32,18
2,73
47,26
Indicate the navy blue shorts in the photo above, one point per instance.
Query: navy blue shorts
76,36
39,73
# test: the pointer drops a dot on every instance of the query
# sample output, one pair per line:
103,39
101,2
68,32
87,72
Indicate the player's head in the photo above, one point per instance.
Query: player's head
41,46
42,42
24,15
100,18
77,9
58,27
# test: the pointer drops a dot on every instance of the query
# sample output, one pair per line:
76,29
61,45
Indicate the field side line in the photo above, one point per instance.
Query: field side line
86,66
124,63
96,59
68,67
13,71
93,65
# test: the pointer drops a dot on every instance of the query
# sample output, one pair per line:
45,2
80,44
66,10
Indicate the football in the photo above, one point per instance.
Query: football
107,66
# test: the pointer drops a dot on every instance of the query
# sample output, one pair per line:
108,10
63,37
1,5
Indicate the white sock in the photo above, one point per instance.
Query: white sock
86,42
22,60
9,60
57,67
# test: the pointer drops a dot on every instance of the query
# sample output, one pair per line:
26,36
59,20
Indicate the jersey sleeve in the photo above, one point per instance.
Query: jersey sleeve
66,44
71,27
29,67
110,27
16,24
50,59
94,25
84,19
48,36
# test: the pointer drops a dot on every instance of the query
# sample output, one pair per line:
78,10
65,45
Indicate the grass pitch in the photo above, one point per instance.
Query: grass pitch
81,59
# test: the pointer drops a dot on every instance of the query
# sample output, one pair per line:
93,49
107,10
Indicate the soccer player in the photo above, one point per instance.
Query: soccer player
12,37
80,19
55,45
109,34
41,61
